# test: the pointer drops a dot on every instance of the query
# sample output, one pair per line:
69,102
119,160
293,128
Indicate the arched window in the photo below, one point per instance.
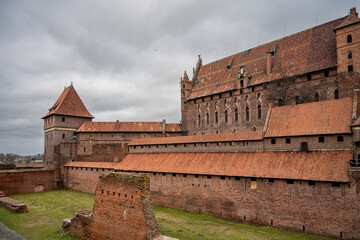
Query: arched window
199,120
317,97
63,136
349,38
236,115
207,119
216,117
226,116
259,111
247,114
336,94
349,55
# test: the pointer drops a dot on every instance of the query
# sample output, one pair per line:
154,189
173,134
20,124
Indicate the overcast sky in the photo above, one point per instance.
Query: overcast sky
126,58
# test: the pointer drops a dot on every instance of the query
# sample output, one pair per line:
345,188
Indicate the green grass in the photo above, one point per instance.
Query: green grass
47,211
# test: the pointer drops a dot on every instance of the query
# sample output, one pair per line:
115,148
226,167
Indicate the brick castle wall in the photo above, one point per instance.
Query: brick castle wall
26,181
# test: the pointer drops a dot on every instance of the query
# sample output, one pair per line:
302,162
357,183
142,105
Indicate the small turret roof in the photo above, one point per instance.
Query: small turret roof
70,104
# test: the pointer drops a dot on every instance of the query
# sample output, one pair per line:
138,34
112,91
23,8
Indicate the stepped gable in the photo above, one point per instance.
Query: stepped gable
329,165
69,104
230,137
307,51
317,118
127,127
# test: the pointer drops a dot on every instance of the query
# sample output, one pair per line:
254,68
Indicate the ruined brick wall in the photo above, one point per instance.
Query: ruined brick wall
322,208
122,210
26,181
103,152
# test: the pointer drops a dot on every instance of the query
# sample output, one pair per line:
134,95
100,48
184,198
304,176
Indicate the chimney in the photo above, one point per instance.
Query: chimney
268,62
356,104
163,126
353,12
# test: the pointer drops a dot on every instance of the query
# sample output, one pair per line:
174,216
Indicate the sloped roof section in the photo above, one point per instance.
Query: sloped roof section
127,127
242,136
356,123
318,118
317,166
307,51
107,165
69,104
349,20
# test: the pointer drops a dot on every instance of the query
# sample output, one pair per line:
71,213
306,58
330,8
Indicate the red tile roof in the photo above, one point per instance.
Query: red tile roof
326,117
349,20
127,127
242,136
107,165
307,51
318,166
70,104
356,123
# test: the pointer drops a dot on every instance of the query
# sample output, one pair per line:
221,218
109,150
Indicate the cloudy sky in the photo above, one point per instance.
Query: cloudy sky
126,58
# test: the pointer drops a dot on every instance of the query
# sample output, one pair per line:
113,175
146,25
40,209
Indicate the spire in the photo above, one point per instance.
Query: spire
185,78
197,69
69,103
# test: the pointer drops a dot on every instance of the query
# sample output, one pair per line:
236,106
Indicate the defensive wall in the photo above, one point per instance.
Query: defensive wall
26,181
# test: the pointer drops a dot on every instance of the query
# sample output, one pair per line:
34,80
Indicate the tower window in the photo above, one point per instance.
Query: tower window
350,68
207,119
349,38
349,55
199,120
63,119
242,83
247,114
273,141
236,115
63,136
216,117
288,140
226,116
326,73
308,77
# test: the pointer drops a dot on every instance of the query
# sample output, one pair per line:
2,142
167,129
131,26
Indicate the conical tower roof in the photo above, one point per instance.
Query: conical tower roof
69,104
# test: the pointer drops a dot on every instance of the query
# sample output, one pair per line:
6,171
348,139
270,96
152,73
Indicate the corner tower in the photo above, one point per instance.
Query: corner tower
185,85
60,123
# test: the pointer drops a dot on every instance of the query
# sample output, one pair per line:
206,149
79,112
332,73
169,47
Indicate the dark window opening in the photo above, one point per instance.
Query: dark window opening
308,77
219,95
63,119
84,149
63,136
237,178
164,174
335,184
336,94
297,99
174,174
202,99
184,175
271,180
273,141
242,83
196,176
208,177
207,119
326,73
253,179
247,114
183,85
222,177
303,228
216,117
349,38
349,55
317,97
199,120
288,140
321,139
226,116
154,173
272,223
259,112
350,68
236,115
280,102
290,181
252,89
312,183
228,67
340,138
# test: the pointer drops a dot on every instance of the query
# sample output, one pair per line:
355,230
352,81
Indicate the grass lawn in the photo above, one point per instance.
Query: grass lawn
47,211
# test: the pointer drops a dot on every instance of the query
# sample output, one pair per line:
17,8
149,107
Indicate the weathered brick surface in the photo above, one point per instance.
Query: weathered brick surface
26,181
122,210
82,179
13,205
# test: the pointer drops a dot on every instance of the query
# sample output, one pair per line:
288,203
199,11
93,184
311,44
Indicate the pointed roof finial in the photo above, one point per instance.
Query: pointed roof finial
185,78
72,85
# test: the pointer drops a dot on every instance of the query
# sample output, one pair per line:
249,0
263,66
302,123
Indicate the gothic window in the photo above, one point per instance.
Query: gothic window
349,38
207,119
216,117
199,120
349,55
63,136
259,111
236,115
226,116
336,94
317,97
247,114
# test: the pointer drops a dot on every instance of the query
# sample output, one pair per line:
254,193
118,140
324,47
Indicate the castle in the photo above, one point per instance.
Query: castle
269,135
